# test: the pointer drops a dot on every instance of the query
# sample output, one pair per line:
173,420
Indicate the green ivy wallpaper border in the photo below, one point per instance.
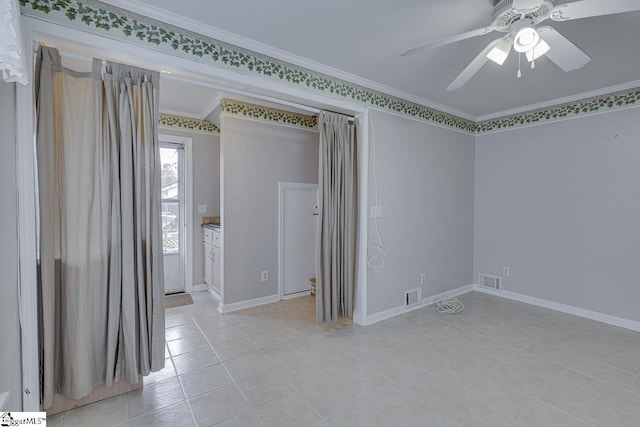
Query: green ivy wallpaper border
614,101
98,17
259,112
187,123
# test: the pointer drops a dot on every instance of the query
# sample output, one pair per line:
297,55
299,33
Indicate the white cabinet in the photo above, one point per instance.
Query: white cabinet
208,263
216,268
212,251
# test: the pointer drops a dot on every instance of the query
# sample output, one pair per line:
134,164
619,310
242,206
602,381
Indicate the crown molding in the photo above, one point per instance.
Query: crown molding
417,119
94,16
178,113
606,91
210,108
596,105
112,21
246,43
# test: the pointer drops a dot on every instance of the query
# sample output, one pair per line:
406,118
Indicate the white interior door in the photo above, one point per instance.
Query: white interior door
173,215
298,235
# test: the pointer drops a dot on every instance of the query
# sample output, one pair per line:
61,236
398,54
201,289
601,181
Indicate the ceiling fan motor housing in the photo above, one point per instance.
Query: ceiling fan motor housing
505,16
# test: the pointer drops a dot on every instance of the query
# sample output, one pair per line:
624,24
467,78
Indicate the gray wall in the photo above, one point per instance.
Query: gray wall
10,364
256,156
425,188
560,205
206,188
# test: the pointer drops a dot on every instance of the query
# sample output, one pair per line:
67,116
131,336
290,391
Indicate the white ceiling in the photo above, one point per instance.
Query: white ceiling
365,38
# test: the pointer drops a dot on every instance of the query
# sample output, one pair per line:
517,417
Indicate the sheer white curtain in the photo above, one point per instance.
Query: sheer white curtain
100,255
12,59
338,211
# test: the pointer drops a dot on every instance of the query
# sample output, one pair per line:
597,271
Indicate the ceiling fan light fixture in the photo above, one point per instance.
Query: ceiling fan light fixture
541,48
526,39
500,52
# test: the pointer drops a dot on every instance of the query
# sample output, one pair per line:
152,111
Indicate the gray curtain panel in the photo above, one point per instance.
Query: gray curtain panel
100,256
136,339
338,210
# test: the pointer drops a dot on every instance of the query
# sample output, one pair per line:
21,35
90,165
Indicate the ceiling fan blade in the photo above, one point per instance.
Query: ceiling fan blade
589,8
473,67
523,6
448,40
563,53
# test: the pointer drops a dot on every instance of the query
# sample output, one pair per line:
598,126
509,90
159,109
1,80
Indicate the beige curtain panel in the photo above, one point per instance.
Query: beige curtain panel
338,211
100,255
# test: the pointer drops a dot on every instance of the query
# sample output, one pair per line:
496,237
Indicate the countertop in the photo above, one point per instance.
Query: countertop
211,226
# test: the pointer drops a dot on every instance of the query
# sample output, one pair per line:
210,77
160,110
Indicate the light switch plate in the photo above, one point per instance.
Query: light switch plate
202,208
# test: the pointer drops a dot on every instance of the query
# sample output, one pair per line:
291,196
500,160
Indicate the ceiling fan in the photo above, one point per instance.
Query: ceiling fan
519,19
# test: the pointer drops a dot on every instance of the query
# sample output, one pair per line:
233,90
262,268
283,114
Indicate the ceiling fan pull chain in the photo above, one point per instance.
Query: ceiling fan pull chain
533,63
519,70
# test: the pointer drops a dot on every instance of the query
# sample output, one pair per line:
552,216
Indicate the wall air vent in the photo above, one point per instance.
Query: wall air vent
489,281
413,297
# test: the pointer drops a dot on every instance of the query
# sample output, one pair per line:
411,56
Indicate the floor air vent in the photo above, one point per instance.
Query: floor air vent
488,281
412,297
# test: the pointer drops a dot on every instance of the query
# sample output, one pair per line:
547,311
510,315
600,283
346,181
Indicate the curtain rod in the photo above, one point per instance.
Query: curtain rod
169,76
295,105
351,118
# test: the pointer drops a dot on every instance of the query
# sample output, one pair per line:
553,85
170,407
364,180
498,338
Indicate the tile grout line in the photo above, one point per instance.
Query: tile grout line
257,350
625,389
153,385
527,406
177,375
284,377
193,418
228,373
465,389
562,411
628,414
295,389
526,350
613,410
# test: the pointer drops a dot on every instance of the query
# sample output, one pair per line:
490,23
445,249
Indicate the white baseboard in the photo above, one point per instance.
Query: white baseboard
227,308
397,311
4,398
215,294
297,295
569,309
200,287
359,319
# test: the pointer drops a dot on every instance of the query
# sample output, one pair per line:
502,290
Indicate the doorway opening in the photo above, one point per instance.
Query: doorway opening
177,221
298,237
174,197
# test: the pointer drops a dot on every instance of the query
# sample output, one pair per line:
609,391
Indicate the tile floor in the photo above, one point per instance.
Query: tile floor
498,363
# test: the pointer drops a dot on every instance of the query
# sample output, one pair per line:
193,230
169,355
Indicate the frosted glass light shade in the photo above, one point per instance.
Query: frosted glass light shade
526,39
500,52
